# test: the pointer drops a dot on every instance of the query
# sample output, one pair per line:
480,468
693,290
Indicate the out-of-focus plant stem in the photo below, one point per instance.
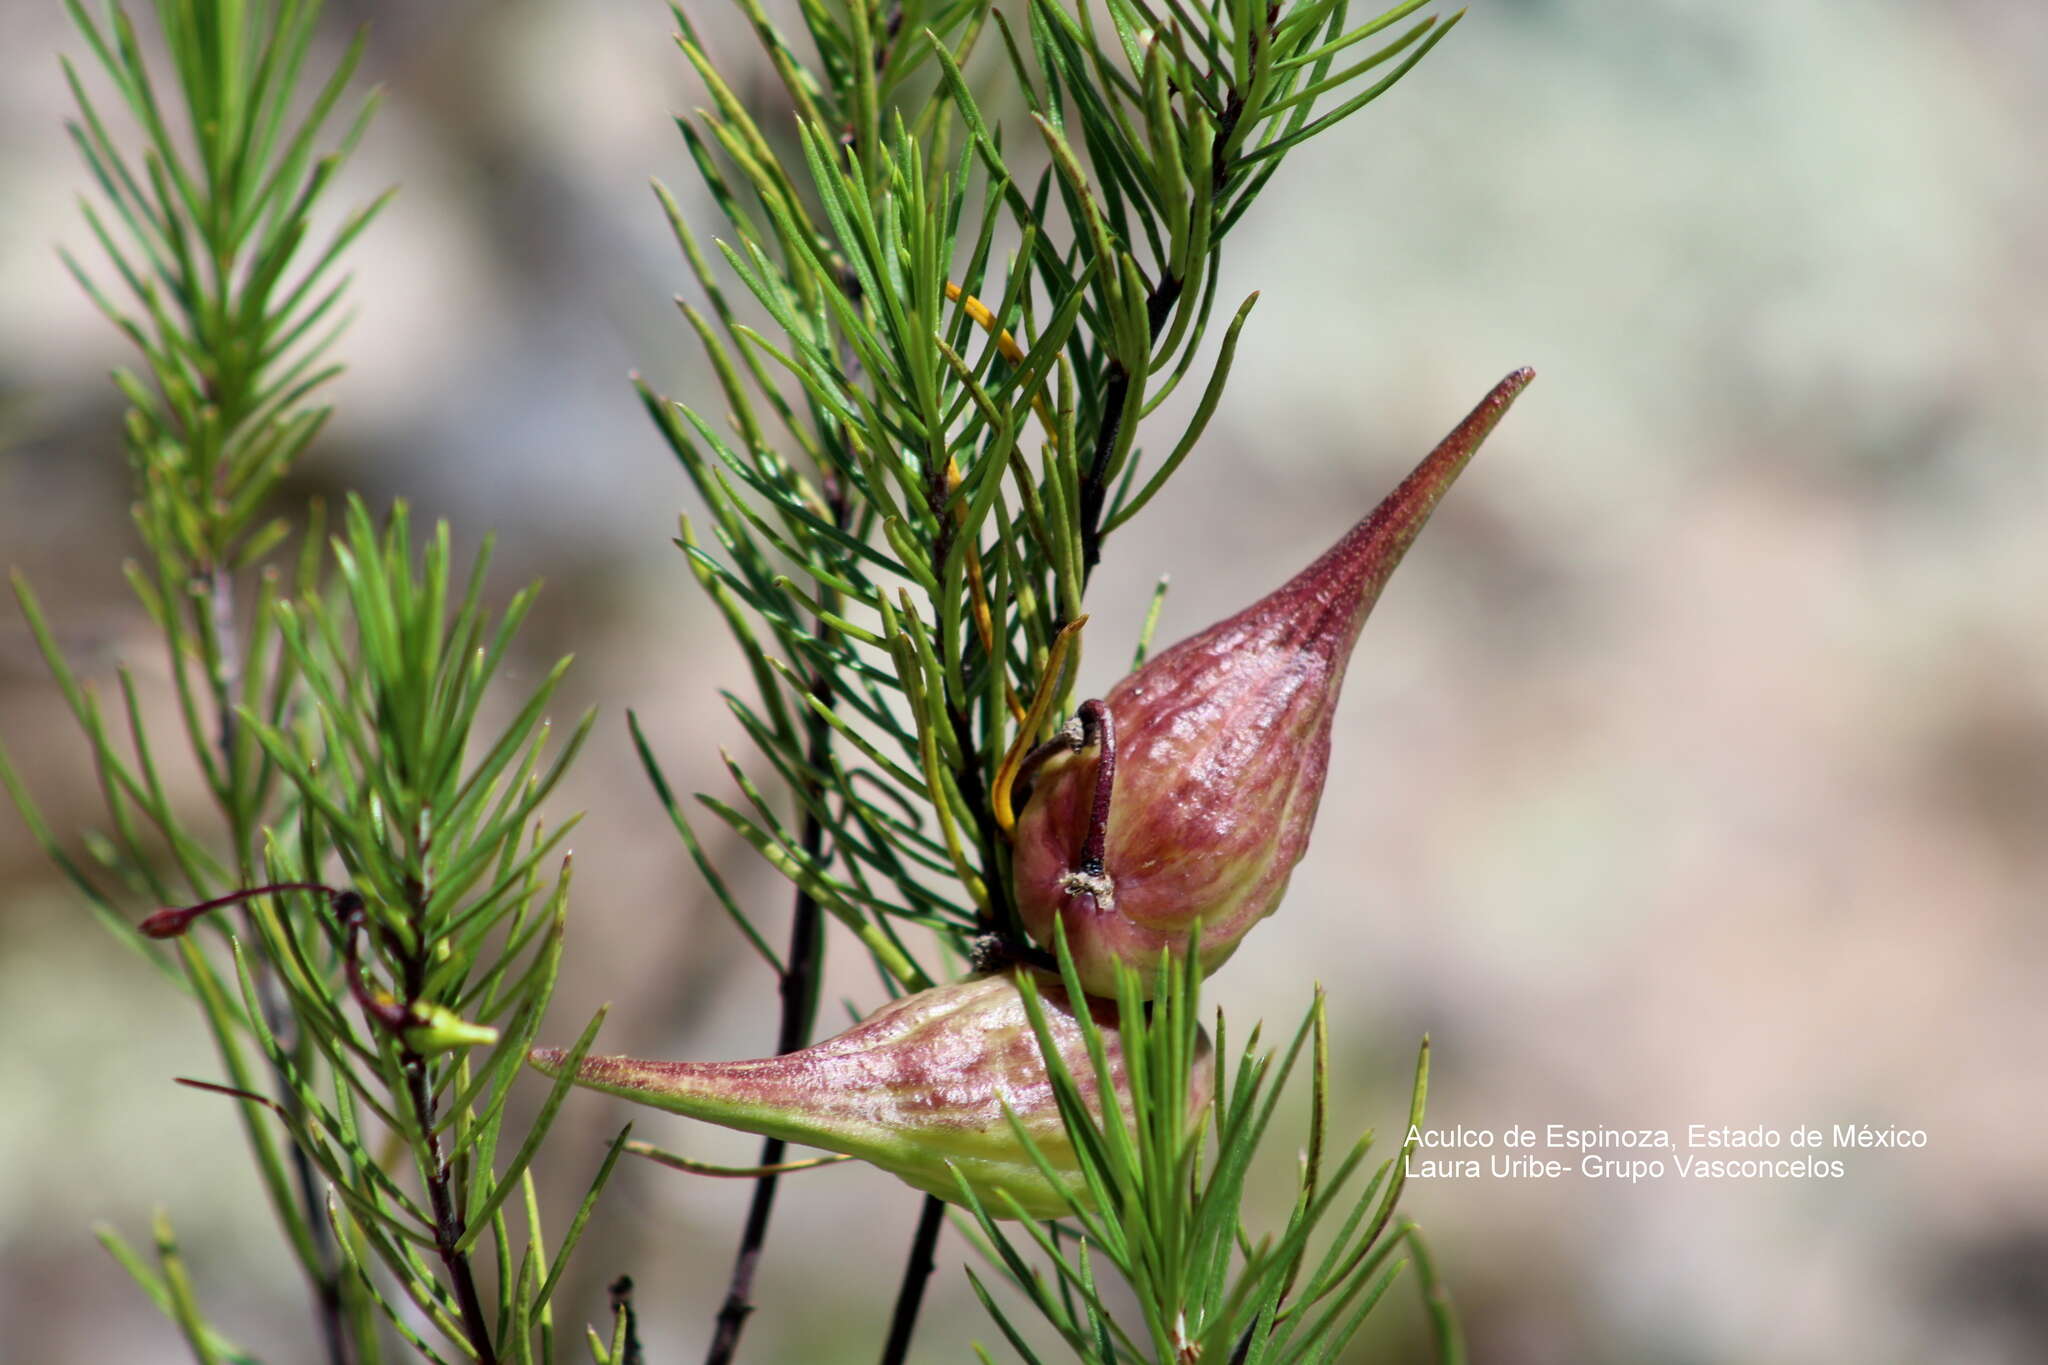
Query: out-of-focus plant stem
799,992
917,1272
798,997
224,675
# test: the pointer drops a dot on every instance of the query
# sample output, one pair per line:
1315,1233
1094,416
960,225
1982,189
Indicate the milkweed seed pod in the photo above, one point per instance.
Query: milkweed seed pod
918,1088
1187,794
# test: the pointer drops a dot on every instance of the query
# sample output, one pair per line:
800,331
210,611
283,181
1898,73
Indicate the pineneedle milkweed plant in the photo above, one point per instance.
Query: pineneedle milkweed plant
978,252
331,699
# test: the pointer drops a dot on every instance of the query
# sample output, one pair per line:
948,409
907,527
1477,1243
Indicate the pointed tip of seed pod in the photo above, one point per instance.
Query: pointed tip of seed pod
652,1083
1347,580
1408,506
675,1086
1455,451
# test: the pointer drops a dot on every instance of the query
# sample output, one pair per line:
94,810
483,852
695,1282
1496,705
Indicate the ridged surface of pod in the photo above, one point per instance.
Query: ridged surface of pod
918,1088
1220,748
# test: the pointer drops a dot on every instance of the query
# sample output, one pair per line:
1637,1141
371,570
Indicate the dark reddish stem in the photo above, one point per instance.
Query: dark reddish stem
1098,726
448,1224
175,920
1116,383
379,1007
799,992
806,939
443,1198
917,1272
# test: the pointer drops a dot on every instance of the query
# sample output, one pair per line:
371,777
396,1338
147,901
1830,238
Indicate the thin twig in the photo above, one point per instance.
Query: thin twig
448,1227
1000,918
804,942
1116,384
917,1272
1116,391
799,1007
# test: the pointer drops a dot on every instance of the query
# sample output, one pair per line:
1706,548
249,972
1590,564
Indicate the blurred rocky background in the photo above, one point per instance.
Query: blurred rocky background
1695,768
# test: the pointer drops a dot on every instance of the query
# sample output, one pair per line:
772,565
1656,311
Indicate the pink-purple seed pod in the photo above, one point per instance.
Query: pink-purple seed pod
1187,794
923,1088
